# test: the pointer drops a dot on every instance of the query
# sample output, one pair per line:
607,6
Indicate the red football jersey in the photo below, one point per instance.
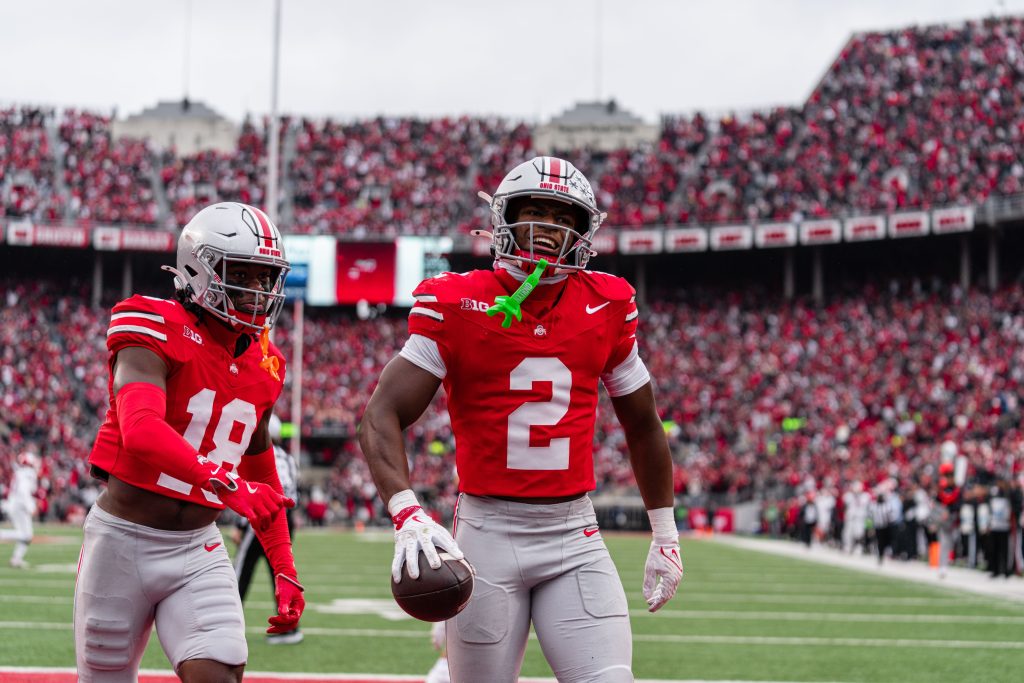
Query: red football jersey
523,400
214,400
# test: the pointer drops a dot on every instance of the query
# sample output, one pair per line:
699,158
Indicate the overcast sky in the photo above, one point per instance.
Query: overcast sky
528,59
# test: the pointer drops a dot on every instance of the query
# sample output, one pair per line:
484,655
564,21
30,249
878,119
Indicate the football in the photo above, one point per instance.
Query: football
438,594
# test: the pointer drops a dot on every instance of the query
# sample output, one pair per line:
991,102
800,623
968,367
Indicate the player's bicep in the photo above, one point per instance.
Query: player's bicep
138,364
637,411
405,390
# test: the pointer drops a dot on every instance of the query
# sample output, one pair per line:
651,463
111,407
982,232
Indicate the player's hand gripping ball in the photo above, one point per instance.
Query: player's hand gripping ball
437,594
423,591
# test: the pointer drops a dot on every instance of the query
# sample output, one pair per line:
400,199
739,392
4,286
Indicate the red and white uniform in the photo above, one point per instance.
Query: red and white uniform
214,400
522,399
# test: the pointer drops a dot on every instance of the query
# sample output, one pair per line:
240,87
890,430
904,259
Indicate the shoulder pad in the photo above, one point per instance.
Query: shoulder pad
448,287
611,287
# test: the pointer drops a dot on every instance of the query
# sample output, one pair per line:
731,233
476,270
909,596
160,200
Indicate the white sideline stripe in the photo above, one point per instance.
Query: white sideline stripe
426,298
347,677
833,616
646,637
694,614
956,579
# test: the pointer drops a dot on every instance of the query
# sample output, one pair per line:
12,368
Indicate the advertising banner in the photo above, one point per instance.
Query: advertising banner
731,237
826,231
772,235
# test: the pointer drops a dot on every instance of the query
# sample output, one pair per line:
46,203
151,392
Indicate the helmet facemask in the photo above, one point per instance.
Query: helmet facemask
220,294
573,253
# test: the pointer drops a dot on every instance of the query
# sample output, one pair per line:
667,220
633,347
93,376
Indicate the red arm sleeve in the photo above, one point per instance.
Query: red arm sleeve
275,539
141,413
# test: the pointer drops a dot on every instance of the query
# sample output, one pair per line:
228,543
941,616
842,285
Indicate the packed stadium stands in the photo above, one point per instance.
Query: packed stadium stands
758,394
916,117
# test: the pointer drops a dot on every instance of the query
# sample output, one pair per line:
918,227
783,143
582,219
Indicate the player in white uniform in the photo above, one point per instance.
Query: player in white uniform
855,516
21,506
522,397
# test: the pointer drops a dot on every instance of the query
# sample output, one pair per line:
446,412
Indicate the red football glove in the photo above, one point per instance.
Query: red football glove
256,501
290,604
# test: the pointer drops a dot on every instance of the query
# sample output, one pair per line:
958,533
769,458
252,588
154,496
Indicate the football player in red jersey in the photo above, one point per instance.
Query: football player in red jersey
192,384
522,400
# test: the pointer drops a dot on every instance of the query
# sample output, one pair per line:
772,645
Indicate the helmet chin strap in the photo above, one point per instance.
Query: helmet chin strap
178,275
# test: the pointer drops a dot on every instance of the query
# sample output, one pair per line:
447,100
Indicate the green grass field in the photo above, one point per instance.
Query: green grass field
740,615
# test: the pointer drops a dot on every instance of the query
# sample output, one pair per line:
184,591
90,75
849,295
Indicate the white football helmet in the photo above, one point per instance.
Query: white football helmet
217,237
545,178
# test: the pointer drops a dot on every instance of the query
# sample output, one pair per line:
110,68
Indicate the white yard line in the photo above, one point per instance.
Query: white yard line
650,638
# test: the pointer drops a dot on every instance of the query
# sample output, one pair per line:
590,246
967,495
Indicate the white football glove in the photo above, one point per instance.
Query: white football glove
416,531
662,574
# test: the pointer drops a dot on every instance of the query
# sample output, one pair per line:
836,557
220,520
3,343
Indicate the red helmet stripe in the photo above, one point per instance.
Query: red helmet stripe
268,234
556,170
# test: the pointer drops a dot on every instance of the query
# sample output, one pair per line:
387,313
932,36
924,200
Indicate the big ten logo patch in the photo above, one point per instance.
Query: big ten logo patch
474,305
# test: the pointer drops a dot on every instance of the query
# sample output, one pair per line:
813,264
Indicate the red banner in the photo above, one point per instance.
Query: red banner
956,219
826,231
908,224
366,272
686,239
29,235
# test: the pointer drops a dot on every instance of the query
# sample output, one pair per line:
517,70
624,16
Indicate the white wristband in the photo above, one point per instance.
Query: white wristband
663,525
400,501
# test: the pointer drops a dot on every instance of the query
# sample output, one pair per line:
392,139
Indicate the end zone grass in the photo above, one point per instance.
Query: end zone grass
740,615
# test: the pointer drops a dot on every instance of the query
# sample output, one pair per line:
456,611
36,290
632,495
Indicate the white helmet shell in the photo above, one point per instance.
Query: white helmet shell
230,233
545,178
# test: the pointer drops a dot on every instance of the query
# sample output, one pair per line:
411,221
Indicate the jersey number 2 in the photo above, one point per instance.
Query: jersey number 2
521,455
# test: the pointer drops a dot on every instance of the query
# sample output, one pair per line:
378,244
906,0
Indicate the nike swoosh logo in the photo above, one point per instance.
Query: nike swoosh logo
673,557
595,309
590,532
210,547
227,234
252,489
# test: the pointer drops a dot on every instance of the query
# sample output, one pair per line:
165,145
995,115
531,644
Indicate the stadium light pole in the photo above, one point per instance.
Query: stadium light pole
274,145
271,205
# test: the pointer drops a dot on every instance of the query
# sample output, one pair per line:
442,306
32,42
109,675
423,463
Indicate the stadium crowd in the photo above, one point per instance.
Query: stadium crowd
762,399
902,119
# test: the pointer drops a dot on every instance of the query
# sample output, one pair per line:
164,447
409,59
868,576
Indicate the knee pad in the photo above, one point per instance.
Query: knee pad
108,643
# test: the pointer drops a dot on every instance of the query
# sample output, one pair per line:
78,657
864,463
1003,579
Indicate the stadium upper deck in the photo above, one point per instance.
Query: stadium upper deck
915,117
